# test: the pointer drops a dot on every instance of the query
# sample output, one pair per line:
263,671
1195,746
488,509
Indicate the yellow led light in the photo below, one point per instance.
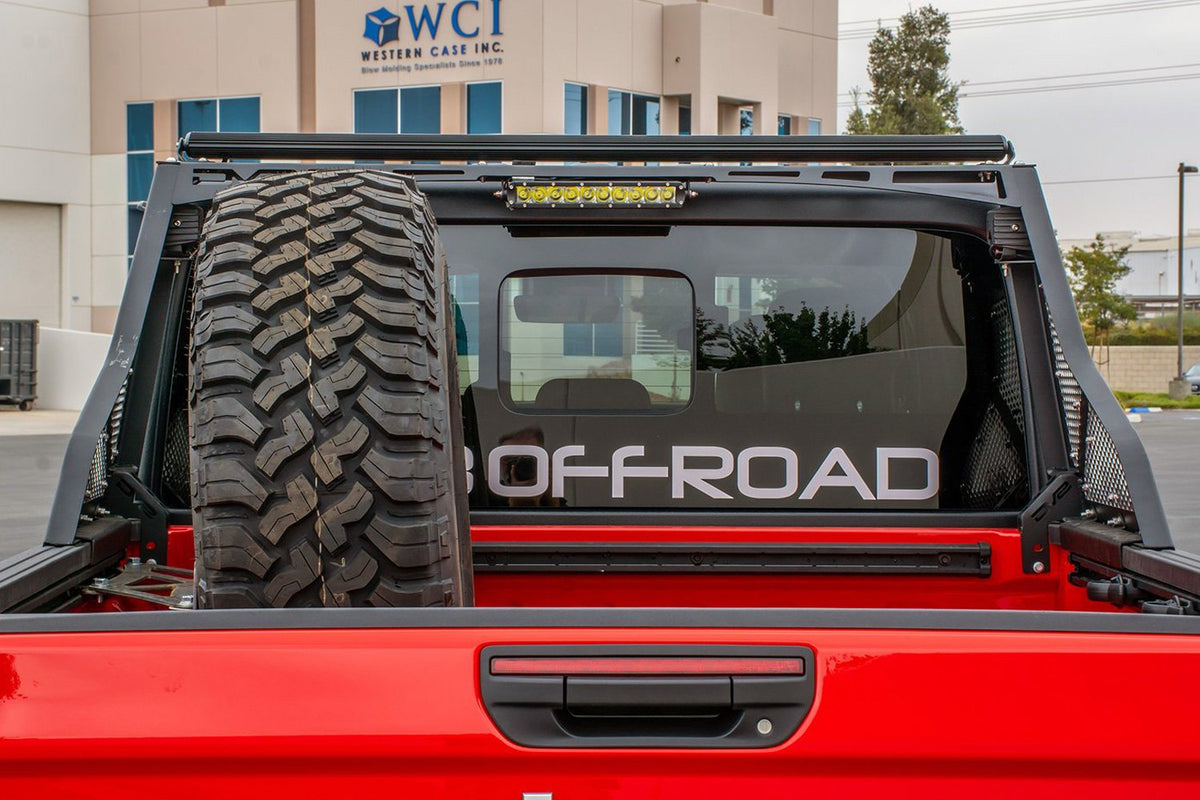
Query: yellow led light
554,194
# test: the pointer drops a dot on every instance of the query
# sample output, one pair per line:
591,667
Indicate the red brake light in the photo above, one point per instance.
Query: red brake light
649,665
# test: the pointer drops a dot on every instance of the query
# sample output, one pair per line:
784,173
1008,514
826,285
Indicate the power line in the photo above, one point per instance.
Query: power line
1110,180
1128,71
1099,10
966,11
1063,87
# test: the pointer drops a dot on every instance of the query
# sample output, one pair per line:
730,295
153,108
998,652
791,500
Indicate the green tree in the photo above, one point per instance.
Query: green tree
1094,273
911,92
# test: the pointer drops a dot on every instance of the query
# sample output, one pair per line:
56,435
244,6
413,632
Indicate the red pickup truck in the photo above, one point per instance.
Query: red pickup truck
573,467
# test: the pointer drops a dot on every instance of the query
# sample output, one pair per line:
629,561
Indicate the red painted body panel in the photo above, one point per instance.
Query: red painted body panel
363,713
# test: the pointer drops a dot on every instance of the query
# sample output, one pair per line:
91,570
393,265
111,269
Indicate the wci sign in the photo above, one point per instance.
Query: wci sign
467,29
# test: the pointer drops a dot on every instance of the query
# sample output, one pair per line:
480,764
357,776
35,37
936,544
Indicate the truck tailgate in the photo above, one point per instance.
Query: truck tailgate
351,702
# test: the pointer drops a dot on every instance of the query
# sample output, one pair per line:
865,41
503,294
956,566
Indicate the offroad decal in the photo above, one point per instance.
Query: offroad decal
529,471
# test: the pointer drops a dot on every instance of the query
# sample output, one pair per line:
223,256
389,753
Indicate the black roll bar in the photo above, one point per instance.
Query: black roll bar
454,147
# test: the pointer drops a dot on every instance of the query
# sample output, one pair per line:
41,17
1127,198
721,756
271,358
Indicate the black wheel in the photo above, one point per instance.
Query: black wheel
326,446
25,405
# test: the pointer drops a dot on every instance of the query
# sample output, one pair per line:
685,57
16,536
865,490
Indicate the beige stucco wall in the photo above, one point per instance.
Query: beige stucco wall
44,146
1142,368
304,59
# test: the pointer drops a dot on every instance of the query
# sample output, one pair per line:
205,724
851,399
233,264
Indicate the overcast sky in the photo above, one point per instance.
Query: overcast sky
1083,134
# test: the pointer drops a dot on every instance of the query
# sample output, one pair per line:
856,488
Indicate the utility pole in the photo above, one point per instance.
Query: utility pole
1180,386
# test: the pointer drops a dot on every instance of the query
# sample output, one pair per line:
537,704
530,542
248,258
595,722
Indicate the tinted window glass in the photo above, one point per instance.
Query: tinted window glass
575,109
375,111
239,115
139,169
605,341
139,126
483,107
421,109
197,115
818,368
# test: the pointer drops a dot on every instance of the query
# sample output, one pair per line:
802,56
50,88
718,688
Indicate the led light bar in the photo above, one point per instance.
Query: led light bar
646,665
594,194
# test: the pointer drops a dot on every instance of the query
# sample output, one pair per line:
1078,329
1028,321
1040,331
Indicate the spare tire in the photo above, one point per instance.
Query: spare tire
325,426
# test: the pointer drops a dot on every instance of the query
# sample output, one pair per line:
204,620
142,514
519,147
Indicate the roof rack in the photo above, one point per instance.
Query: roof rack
451,147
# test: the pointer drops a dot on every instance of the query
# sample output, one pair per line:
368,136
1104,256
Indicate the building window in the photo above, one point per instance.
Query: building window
814,127
225,114
412,109
685,120
575,109
746,121
139,163
484,107
785,125
630,113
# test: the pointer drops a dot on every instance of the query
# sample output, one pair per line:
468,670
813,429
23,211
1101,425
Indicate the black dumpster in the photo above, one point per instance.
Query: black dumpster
18,362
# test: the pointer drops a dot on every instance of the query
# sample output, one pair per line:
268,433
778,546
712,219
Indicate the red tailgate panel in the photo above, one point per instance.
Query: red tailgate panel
363,713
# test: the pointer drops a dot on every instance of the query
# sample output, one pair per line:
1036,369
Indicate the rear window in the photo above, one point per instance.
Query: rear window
611,341
737,367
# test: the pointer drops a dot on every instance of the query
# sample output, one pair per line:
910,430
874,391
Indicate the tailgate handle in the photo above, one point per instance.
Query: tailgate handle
646,696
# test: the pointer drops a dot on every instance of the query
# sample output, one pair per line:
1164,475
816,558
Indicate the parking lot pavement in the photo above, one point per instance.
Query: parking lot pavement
32,446
1172,440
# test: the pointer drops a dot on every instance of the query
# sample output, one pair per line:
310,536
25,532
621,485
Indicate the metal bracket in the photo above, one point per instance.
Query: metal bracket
1062,498
149,582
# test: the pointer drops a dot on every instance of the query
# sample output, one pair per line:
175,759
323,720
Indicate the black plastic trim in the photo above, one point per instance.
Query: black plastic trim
708,518
711,712
614,618
820,558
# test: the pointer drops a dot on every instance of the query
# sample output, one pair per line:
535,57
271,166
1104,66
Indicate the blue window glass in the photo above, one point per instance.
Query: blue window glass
483,107
814,127
607,340
464,296
575,109
618,112
645,115
785,125
139,126
577,339
139,170
197,115
421,109
746,121
685,120
375,111
238,115
630,113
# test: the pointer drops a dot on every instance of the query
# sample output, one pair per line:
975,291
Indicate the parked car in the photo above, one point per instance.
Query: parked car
1193,376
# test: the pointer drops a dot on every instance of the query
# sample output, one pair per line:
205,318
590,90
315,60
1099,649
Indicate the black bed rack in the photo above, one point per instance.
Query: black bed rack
534,148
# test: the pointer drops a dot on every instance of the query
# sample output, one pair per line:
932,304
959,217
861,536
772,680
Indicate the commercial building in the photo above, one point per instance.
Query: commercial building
107,87
1152,284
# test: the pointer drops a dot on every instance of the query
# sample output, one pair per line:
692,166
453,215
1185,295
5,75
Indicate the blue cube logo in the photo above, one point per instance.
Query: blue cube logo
382,27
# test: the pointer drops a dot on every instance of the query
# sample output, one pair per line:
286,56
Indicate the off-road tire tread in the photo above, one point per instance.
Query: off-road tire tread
326,450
